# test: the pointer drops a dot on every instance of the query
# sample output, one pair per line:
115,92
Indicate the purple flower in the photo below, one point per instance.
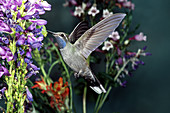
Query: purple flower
32,67
32,27
19,28
9,56
4,40
120,61
36,44
33,70
21,40
45,5
21,51
123,84
29,95
4,27
2,51
6,53
28,54
39,21
3,71
3,90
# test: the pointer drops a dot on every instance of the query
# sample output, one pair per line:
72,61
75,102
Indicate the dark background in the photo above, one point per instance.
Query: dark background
148,90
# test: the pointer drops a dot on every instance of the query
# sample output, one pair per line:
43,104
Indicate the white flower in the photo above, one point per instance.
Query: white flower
140,37
106,13
78,11
115,36
107,46
93,10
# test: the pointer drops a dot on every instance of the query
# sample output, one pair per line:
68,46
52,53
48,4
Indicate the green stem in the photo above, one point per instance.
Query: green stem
97,102
67,75
49,71
101,104
100,97
43,71
84,99
124,65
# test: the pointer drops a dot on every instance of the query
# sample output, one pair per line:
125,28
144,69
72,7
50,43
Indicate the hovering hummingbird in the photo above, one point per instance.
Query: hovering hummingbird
76,48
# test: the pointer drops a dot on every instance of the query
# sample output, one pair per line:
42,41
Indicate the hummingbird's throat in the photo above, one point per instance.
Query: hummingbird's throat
61,42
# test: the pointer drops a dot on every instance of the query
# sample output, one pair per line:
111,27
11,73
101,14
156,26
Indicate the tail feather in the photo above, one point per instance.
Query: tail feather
95,84
98,89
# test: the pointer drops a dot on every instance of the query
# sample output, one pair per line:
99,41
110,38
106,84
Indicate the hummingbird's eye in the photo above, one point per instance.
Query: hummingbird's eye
62,35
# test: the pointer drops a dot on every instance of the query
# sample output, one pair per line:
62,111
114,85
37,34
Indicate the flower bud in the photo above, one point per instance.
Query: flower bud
126,42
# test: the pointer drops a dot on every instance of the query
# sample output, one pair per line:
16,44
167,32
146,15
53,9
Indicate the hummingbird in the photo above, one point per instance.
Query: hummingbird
83,40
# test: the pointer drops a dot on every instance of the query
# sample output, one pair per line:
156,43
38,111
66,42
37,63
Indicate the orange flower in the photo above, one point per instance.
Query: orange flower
57,93
41,85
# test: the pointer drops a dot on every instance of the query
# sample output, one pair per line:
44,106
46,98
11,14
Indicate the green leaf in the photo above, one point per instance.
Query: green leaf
44,31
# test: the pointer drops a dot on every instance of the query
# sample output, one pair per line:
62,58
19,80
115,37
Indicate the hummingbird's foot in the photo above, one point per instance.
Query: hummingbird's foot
77,75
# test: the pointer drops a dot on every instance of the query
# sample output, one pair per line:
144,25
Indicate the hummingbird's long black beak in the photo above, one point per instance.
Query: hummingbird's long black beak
50,32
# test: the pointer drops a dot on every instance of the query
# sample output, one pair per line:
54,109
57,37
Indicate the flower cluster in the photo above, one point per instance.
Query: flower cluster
21,20
83,8
21,31
122,63
58,93
124,57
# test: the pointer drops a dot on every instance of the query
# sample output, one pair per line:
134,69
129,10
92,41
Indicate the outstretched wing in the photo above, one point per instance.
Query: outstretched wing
96,35
78,31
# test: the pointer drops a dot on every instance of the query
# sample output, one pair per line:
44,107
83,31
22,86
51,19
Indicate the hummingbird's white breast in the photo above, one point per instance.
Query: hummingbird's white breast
73,58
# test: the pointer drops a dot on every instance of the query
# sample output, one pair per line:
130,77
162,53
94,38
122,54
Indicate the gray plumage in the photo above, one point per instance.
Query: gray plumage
75,55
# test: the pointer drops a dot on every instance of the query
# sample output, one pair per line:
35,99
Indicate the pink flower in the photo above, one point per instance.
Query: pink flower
139,37
129,4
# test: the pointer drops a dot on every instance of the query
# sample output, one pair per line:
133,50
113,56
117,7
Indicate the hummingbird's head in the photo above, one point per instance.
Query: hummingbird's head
61,38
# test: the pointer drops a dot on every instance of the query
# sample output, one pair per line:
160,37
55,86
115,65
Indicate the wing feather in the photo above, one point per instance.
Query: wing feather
78,31
96,35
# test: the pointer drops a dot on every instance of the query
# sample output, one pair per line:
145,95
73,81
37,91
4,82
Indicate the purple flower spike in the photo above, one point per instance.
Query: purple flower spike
39,21
4,27
3,71
29,95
